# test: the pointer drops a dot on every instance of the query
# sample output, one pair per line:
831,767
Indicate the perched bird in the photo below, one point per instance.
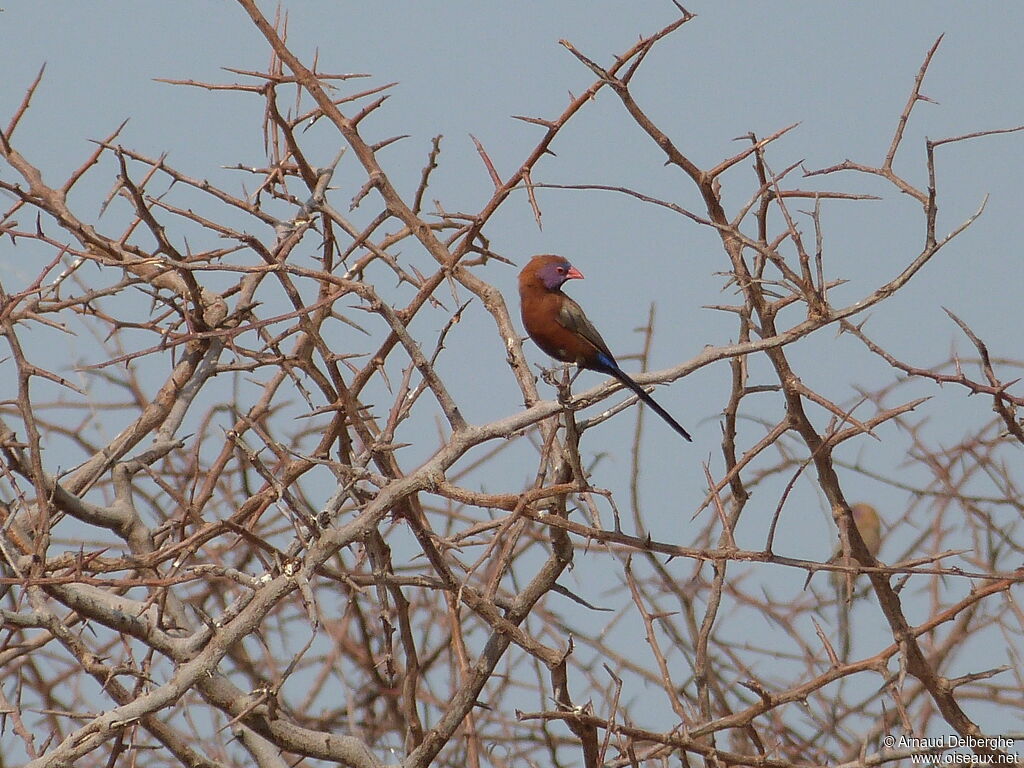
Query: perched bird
559,327
865,517
869,526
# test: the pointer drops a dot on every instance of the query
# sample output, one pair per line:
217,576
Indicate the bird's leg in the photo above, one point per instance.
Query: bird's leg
566,379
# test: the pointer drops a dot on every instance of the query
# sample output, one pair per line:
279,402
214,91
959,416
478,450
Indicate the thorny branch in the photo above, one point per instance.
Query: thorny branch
210,515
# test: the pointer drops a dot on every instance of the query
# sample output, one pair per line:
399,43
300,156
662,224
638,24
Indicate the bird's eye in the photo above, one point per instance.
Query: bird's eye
561,270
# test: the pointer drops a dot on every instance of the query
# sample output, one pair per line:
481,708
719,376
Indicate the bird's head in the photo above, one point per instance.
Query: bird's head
551,270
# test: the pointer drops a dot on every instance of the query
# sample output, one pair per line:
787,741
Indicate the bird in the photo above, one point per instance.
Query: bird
558,325
869,526
865,517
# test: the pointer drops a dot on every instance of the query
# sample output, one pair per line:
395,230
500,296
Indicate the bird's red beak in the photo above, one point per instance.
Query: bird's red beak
573,273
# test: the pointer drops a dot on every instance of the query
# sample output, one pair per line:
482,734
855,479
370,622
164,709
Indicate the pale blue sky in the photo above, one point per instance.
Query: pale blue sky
841,70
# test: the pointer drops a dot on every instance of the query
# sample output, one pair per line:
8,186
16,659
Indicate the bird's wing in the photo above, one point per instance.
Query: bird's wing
572,317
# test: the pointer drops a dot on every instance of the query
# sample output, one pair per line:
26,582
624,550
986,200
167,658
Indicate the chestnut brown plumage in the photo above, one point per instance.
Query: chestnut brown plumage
558,325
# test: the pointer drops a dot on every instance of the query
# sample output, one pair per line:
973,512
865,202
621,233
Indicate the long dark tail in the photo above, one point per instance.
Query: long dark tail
622,376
